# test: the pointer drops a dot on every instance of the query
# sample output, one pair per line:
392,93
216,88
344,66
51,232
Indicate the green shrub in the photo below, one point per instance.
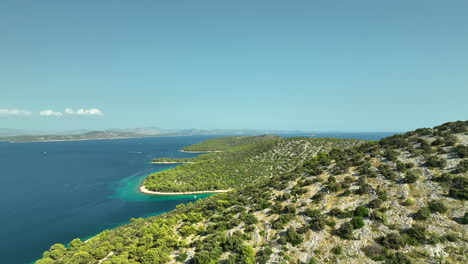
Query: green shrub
338,250
436,162
409,240
317,223
417,232
57,251
293,237
182,257
391,155
361,211
382,195
340,213
312,212
348,179
411,176
290,209
263,256
374,252
318,197
462,166
248,219
437,142
285,196
330,223
437,206
462,151
357,222
397,258
435,239
345,231
423,131
392,241
313,260
333,187
451,237
365,189
459,188
408,202
282,220
422,214
386,171
450,140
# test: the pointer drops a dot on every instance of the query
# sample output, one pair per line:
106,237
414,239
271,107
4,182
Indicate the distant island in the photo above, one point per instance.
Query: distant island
15,136
92,135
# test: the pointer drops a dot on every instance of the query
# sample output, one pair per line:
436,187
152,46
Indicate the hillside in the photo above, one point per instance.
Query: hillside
242,165
225,143
400,200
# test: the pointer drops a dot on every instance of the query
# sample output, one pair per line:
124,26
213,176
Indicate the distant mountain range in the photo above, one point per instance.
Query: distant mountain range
15,135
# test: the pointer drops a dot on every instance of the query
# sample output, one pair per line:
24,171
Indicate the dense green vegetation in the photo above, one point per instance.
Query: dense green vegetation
225,143
352,205
242,165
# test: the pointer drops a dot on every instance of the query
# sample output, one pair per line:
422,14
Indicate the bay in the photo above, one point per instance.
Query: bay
53,192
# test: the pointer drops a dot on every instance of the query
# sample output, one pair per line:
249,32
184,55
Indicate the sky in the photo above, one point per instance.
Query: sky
361,65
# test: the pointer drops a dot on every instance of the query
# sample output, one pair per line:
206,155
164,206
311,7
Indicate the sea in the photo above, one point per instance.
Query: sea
53,192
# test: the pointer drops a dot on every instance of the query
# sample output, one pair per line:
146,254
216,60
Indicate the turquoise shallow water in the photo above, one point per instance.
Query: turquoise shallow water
57,191
127,189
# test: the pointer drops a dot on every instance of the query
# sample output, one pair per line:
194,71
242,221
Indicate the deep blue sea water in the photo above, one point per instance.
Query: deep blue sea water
53,192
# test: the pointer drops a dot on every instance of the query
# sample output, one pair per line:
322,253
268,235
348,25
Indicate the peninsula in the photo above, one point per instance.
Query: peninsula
225,143
240,164
144,190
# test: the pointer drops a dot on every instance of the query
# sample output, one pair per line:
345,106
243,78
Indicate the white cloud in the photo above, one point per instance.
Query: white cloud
49,112
82,111
14,112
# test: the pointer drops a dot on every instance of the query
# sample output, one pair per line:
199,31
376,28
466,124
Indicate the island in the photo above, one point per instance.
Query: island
92,135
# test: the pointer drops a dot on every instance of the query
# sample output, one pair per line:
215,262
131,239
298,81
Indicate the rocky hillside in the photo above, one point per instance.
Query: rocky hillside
400,200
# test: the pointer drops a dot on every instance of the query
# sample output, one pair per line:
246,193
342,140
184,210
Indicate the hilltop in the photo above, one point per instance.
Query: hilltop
402,199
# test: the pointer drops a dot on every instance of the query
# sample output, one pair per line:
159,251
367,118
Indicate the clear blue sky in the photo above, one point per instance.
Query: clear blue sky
310,65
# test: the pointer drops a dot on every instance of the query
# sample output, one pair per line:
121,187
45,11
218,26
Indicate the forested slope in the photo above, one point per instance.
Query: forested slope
243,165
225,143
400,200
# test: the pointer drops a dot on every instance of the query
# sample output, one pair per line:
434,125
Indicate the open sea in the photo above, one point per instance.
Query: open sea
53,192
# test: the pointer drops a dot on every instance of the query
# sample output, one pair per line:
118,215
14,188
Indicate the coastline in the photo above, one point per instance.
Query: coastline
146,191
199,151
66,140
171,162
